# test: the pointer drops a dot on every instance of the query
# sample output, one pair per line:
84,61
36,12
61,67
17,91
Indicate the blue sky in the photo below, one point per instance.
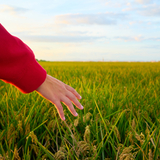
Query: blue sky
86,30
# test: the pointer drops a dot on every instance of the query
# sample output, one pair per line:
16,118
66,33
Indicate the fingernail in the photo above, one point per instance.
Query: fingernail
76,114
64,118
82,107
80,97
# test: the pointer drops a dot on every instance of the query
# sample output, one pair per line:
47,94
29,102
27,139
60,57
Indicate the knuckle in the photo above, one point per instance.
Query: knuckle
69,103
58,105
74,100
74,91
73,97
56,102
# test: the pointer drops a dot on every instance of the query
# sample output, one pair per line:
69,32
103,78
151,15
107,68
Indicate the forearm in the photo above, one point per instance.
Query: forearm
18,65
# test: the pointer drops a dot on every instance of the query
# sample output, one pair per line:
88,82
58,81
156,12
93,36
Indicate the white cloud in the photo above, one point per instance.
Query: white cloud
129,38
145,10
90,19
138,38
155,38
128,4
143,1
150,10
12,10
61,39
118,4
139,22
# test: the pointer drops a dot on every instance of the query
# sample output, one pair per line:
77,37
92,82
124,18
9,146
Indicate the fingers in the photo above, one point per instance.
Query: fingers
74,100
69,88
56,92
59,107
70,106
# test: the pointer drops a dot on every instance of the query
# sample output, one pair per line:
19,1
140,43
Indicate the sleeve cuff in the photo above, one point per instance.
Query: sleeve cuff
33,76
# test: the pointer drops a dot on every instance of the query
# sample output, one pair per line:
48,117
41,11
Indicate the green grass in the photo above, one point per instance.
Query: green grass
120,120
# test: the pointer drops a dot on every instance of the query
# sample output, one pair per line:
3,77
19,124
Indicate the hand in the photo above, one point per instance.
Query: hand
56,92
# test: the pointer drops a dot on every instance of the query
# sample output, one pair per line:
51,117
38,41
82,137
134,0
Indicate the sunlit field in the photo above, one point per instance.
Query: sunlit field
120,120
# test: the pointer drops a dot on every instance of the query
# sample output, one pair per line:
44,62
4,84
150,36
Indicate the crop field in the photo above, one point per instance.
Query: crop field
120,119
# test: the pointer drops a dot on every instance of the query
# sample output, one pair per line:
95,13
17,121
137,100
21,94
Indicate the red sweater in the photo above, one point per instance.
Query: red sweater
18,65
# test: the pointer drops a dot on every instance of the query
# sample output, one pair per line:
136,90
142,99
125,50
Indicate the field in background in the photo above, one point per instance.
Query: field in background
120,120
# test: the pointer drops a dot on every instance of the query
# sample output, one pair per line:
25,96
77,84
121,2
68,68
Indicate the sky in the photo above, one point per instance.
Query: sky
86,30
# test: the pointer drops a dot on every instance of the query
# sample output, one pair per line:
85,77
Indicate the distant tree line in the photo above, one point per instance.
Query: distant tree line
41,60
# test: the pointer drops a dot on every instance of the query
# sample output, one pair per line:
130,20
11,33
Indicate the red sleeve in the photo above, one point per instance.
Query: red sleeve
18,65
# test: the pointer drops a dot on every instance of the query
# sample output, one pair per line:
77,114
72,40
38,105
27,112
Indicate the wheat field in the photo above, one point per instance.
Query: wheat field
120,120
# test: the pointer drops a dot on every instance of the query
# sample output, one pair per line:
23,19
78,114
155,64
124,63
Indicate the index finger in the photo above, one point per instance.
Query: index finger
59,108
